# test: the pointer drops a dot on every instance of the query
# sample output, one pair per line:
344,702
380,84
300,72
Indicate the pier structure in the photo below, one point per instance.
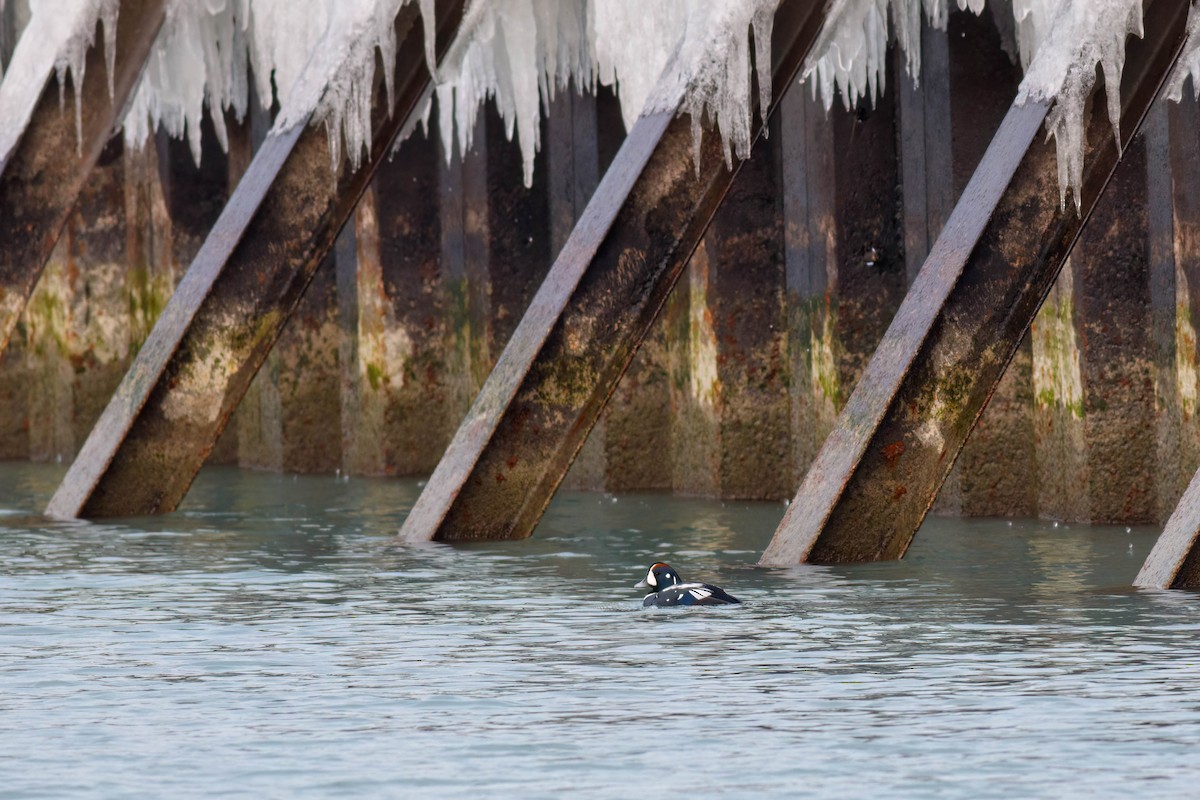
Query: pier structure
580,331
279,225
960,324
46,164
714,335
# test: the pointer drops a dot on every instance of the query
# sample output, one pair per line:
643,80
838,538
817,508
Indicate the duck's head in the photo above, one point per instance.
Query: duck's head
659,577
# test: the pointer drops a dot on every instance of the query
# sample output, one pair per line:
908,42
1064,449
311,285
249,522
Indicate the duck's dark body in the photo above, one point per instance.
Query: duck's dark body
671,591
690,594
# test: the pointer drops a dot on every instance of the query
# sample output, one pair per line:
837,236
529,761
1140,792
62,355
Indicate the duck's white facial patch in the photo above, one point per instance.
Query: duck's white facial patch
650,579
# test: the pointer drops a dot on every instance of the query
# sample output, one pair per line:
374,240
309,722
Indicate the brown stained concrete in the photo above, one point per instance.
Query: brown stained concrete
1057,379
362,346
871,279
759,344
637,425
585,132
844,261
1099,426
1113,328
464,302
259,421
14,395
399,412
427,294
747,281
990,476
807,179
149,249
288,416
134,227
1171,430
309,380
1173,140
694,386
84,319
415,304
73,335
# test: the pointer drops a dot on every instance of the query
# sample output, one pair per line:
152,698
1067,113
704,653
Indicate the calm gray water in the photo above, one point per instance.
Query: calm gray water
272,640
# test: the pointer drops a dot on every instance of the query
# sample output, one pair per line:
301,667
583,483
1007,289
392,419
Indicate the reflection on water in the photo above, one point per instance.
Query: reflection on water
272,639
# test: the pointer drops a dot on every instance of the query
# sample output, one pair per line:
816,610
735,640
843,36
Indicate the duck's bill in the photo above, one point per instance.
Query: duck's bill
641,584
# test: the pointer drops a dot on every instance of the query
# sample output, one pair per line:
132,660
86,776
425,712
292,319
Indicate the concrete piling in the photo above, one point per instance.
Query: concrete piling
958,328
49,165
230,307
1174,214
581,329
102,289
989,476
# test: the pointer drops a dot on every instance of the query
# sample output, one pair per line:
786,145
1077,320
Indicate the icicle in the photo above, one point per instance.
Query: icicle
632,41
1033,19
58,37
281,38
73,55
335,86
517,53
198,60
850,54
1083,33
1189,61
711,73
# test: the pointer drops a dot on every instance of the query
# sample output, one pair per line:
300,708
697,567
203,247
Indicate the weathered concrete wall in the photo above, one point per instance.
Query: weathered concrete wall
1114,347
138,221
991,476
393,341
398,401
757,349
1175,292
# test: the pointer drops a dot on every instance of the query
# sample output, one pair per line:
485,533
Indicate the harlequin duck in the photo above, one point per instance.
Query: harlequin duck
668,589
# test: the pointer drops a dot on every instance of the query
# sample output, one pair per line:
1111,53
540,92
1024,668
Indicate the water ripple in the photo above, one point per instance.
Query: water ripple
273,639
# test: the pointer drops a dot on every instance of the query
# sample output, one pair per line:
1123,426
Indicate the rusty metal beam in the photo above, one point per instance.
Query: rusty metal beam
972,303
587,319
230,307
46,169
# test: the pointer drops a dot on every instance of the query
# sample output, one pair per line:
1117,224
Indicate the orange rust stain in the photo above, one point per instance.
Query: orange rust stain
892,452
900,492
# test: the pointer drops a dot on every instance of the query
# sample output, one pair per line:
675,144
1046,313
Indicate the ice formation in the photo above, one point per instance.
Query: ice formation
519,52
57,37
317,62
316,59
1083,33
710,74
335,85
199,59
850,54
1033,19
631,41
1060,43
1189,61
